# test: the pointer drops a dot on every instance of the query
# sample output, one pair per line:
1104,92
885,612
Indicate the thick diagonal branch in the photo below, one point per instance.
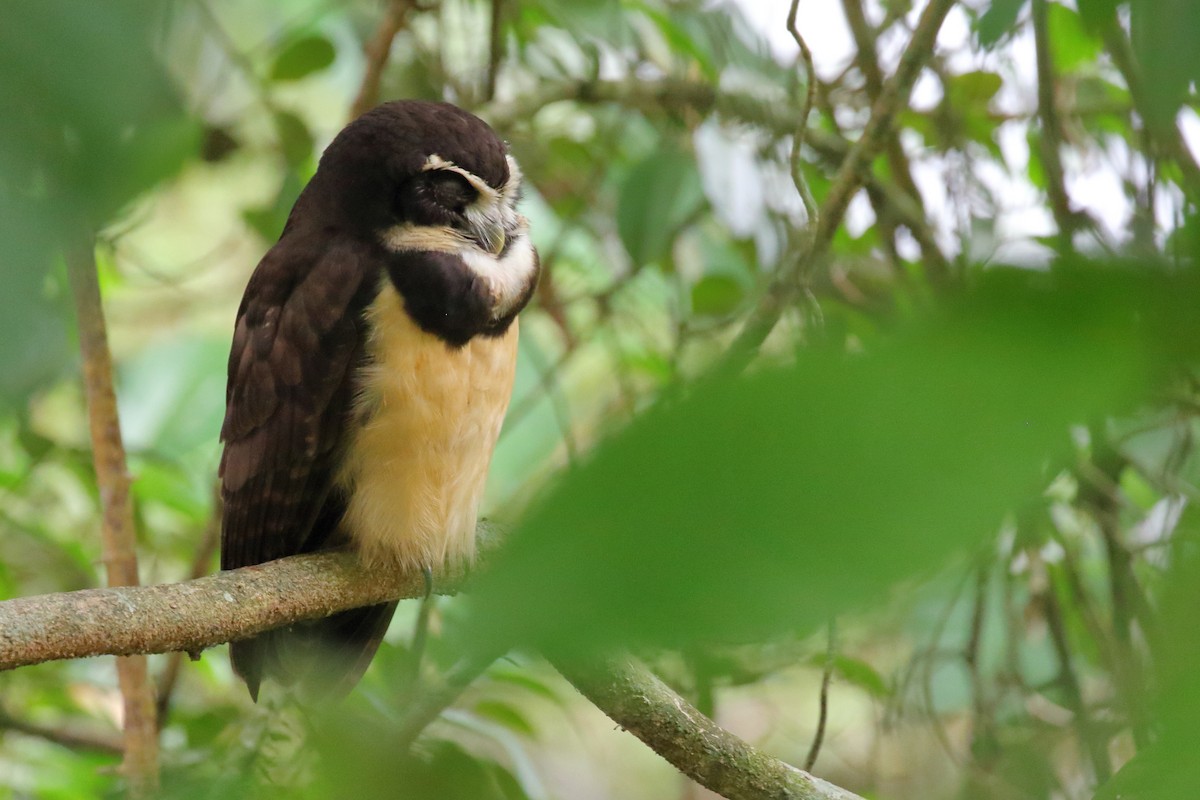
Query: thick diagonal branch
698,747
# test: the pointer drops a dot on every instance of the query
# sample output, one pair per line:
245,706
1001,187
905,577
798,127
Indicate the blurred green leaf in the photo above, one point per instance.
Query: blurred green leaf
715,295
1168,769
91,118
973,89
770,503
657,197
505,714
521,678
858,673
998,21
359,750
34,344
268,221
679,38
1164,34
172,395
1097,13
295,139
1074,46
303,57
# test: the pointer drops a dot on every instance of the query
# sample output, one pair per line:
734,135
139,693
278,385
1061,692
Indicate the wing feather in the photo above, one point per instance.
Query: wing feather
297,342
291,370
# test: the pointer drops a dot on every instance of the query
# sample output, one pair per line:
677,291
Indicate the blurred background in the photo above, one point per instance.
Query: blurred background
999,600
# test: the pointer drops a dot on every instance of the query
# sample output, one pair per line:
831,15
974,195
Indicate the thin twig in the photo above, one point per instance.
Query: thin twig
377,52
810,93
823,713
1091,737
75,738
119,538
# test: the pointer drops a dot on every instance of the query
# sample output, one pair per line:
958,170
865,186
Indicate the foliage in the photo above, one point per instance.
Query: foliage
987,473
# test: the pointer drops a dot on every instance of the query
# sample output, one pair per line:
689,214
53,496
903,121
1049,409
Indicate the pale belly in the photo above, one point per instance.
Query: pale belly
428,418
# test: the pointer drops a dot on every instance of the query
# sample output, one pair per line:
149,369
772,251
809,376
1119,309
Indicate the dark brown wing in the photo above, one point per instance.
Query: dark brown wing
298,340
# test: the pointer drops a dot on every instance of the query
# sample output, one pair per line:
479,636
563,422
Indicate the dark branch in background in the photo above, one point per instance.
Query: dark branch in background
981,725
1092,740
823,713
1065,218
707,753
801,132
76,738
936,265
673,95
232,605
1100,494
849,179
119,536
377,52
495,49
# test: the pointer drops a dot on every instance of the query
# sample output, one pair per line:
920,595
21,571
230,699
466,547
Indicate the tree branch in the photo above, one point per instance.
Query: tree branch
77,738
193,615
849,179
196,614
699,748
120,555
1065,217
936,264
377,51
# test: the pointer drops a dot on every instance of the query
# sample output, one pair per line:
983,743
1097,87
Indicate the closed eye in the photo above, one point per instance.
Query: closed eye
450,190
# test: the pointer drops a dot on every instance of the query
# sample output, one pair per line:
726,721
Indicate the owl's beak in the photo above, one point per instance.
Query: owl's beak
490,236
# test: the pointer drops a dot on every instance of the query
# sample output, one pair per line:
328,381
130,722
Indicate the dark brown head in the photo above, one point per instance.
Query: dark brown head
416,162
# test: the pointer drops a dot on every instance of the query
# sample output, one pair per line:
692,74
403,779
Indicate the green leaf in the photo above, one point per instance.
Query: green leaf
1168,768
656,198
768,504
268,221
91,119
521,678
858,673
1073,45
302,58
505,714
34,347
679,39
295,139
998,22
716,295
1097,13
1164,34
973,90
172,395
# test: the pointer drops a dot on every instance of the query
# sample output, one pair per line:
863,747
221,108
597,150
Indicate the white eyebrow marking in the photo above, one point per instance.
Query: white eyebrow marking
436,162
